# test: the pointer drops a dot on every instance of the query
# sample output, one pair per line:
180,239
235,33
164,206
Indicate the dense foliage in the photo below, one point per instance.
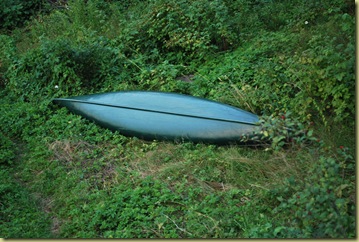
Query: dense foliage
291,62
13,13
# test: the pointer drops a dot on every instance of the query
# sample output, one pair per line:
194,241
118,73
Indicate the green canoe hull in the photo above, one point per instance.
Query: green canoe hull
164,116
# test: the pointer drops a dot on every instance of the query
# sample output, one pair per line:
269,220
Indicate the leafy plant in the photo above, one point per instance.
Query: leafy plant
189,29
280,131
62,68
7,53
277,75
324,209
320,206
20,215
151,210
14,13
7,153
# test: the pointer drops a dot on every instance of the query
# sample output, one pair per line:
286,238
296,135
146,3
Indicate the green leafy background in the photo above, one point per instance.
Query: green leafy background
290,62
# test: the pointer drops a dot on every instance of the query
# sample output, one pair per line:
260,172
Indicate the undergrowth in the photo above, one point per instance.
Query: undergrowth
65,177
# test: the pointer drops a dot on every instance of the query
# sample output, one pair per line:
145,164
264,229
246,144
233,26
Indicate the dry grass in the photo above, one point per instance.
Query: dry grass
68,151
218,168
98,165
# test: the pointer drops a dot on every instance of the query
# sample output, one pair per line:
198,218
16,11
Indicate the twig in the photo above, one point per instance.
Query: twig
183,230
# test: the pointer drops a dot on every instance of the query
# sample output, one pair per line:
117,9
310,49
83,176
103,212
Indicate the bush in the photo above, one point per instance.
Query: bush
326,78
7,147
321,206
305,72
13,13
281,131
188,29
7,53
63,68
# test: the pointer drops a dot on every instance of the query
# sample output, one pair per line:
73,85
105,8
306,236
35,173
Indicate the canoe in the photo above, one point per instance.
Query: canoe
164,116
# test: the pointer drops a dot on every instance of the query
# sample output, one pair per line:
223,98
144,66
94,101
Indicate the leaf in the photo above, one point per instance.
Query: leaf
340,189
159,226
278,230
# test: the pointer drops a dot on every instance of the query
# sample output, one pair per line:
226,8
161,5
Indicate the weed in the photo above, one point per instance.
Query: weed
7,154
20,213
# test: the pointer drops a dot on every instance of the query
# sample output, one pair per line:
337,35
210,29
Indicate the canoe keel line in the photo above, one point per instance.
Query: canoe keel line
164,116
149,110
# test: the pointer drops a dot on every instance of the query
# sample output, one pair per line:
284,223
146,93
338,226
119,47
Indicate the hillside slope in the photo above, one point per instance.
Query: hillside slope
290,62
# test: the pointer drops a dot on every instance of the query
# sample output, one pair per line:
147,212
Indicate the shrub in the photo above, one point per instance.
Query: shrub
63,68
7,148
326,78
188,29
306,72
321,206
280,131
7,53
13,13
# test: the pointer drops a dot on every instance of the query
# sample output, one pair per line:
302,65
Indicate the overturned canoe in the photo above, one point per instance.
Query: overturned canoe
164,116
